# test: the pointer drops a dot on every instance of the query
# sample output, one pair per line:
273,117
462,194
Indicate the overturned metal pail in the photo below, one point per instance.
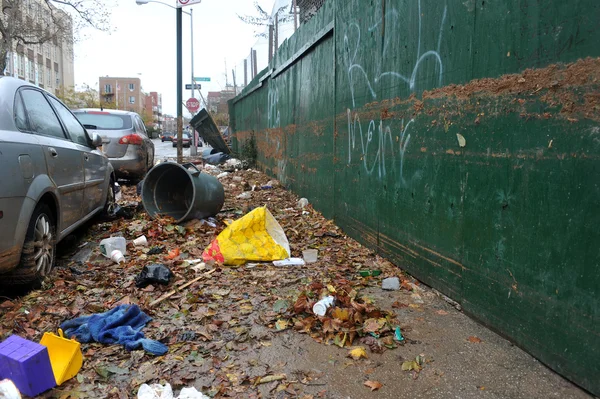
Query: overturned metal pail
182,192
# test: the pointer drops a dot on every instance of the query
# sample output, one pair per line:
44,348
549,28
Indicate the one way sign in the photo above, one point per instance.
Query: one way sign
196,86
183,3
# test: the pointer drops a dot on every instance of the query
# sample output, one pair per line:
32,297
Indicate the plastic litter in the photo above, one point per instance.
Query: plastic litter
117,256
157,391
151,274
140,241
65,355
257,236
289,262
320,308
310,255
391,284
245,195
113,243
221,175
302,202
367,273
8,390
398,334
156,250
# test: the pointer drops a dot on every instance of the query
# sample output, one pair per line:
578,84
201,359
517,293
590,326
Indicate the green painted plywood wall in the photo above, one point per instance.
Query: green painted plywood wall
461,139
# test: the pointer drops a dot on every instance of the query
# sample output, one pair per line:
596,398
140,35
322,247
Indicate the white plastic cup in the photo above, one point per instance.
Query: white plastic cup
8,390
117,256
320,308
310,255
140,241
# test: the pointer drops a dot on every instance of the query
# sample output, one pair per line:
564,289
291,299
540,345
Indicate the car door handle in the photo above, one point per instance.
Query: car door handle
52,152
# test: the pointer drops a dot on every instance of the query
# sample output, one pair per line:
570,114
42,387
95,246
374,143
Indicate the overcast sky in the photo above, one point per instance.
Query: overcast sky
142,44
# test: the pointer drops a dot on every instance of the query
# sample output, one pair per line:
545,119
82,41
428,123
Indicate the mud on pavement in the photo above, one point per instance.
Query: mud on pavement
249,332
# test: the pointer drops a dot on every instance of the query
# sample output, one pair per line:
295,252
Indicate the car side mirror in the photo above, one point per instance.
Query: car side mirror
96,140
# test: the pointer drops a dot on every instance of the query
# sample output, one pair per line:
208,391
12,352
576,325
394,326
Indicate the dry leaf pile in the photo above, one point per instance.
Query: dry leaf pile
214,325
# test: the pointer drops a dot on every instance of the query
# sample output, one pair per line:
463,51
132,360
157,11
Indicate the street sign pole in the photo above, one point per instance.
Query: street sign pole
179,89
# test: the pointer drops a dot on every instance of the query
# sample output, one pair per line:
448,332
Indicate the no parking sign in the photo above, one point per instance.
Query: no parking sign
183,3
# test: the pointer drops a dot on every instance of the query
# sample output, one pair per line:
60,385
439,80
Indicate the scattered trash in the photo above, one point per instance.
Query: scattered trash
117,256
245,195
320,308
391,284
141,241
461,140
8,390
120,325
369,273
156,250
65,355
222,175
125,212
302,203
237,179
310,255
289,262
174,253
118,193
234,163
151,274
398,334
266,187
257,236
274,183
27,365
157,391
108,245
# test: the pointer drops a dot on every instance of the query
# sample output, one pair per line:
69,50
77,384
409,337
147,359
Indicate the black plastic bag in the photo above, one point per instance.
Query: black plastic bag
151,274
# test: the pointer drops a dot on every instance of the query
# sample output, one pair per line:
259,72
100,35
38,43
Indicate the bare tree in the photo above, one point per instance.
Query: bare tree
265,19
35,22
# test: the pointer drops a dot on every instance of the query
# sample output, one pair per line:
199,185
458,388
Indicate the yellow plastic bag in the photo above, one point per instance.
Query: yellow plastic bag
257,236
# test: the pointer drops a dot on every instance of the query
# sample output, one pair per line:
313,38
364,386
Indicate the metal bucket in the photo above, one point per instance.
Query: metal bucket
182,192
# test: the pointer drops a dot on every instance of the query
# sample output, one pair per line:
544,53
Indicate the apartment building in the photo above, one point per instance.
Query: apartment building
48,65
122,93
153,108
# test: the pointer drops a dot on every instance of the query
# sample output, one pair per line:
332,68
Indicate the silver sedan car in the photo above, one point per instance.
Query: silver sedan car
53,179
124,140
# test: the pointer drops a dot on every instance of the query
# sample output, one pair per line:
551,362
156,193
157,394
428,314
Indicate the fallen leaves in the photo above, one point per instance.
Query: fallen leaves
358,353
374,385
474,339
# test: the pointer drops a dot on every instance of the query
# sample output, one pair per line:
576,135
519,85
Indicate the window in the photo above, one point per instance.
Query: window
31,70
131,100
20,116
48,77
74,128
107,88
131,86
104,120
20,65
42,118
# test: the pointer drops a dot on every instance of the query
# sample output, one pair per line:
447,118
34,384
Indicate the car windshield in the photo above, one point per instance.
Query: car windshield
104,120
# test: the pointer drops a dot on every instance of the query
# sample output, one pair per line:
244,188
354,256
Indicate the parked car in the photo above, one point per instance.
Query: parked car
168,136
186,140
124,140
53,179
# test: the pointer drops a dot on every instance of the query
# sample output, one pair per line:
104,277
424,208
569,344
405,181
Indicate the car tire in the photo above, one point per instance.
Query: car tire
39,250
110,205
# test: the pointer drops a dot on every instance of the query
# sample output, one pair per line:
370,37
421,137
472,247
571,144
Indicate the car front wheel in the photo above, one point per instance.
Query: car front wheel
39,249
